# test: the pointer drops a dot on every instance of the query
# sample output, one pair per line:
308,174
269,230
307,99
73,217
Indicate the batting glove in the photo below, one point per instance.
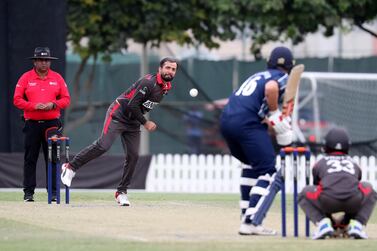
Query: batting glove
279,123
284,139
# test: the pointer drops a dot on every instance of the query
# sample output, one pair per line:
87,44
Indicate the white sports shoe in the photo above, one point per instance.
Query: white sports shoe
122,199
355,230
324,229
67,174
250,229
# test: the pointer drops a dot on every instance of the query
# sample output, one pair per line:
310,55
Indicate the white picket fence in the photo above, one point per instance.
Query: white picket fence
221,173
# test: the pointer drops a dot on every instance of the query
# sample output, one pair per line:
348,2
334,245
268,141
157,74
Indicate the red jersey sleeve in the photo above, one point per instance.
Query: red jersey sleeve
63,99
19,98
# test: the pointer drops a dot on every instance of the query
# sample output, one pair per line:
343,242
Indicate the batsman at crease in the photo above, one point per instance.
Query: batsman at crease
251,109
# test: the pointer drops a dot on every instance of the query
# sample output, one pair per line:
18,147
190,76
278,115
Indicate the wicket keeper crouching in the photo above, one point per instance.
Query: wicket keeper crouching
242,126
337,188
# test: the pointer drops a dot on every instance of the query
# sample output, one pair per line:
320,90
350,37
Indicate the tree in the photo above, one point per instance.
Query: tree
101,27
185,22
97,28
93,31
281,20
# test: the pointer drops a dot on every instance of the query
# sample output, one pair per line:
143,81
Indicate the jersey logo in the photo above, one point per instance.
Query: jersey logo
32,84
143,90
53,83
149,104
338,146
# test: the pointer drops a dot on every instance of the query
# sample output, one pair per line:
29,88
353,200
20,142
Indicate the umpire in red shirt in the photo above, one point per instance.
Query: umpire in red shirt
41,93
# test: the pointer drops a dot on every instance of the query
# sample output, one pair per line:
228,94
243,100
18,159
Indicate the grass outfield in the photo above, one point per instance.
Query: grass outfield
155,222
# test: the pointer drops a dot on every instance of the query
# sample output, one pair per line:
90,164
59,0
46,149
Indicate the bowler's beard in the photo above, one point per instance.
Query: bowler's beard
167,77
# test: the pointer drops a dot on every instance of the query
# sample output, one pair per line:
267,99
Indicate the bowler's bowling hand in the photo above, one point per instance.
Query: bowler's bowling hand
150,126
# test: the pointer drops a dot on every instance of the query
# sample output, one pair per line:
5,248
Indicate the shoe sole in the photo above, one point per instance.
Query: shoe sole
260,234
123,205
328,234
356,236
244,233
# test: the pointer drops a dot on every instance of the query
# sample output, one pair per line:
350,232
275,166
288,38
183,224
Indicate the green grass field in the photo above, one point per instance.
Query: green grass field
155,222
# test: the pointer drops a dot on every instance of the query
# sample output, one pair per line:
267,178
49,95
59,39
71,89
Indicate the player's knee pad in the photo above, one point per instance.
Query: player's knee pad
248,177
265,193
247,181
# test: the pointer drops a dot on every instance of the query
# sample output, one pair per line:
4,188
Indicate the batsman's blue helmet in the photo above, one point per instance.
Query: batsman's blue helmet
281,57
337,140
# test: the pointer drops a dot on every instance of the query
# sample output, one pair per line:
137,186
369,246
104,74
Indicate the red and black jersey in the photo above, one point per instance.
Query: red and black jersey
337,175
140,98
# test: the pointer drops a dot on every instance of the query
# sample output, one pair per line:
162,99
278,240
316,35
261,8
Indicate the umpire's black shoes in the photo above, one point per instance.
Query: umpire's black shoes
28,198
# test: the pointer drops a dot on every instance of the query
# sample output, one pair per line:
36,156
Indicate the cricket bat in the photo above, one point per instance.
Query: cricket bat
291,89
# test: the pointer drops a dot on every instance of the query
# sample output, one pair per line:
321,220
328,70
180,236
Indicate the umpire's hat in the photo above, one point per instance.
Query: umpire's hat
42,53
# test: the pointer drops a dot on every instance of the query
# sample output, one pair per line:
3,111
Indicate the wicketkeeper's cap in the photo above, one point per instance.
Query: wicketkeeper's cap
337,140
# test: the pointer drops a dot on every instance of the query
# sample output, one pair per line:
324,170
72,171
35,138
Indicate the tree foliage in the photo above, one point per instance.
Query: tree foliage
97,28
94,29
102,26
281,20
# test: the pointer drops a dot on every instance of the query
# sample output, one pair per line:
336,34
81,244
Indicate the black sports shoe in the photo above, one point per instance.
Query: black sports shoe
53,198
28,198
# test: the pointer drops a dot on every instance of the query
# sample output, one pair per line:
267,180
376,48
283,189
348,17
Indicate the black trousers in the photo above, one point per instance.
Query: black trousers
130,136
35,138
358,206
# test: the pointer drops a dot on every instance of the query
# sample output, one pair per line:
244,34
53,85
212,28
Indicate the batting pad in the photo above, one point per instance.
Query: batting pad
257,195
266,199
